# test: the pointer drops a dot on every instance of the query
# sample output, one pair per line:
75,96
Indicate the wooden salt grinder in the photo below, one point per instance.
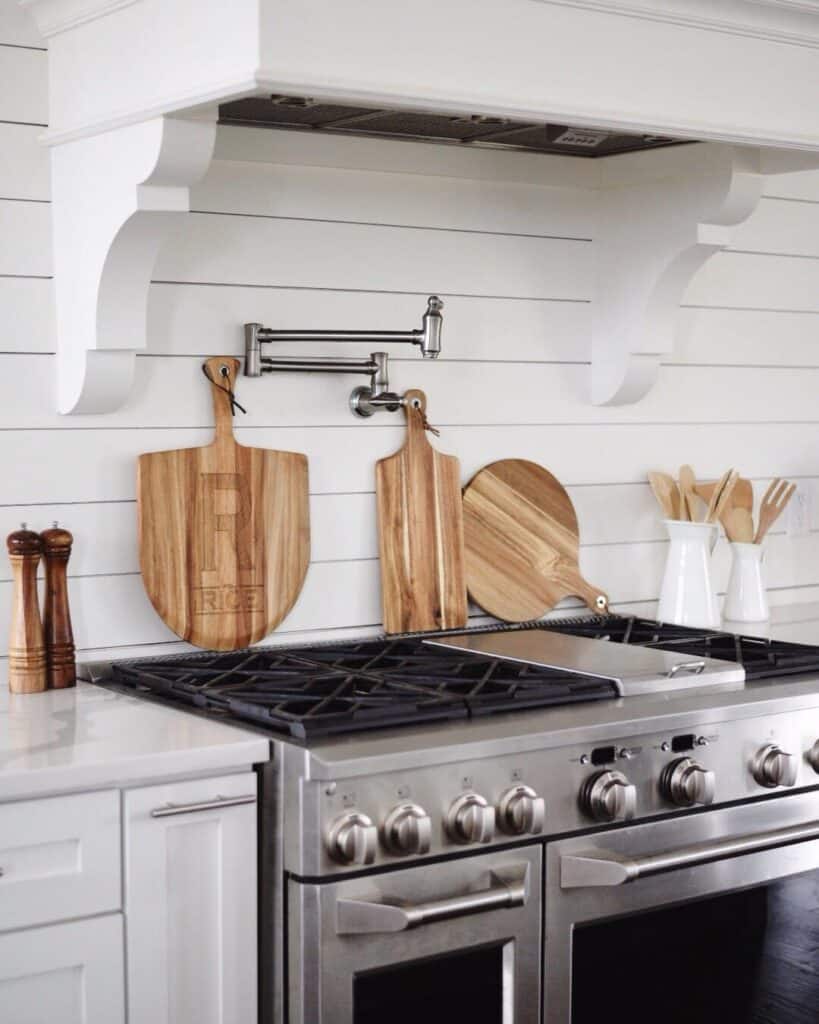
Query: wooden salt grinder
27,653
62,665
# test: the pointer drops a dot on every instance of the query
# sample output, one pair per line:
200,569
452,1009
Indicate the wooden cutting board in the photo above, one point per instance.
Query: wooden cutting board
420,532
224,535
522,542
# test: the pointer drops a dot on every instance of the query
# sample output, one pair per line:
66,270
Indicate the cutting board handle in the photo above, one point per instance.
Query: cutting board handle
222,371
415,409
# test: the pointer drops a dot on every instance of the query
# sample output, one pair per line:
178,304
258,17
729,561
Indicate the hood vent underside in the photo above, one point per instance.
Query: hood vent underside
293,112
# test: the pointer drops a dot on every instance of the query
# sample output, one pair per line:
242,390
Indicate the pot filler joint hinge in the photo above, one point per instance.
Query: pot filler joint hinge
364,400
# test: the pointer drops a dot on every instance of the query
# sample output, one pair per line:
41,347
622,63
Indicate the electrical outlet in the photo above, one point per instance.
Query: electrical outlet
798,512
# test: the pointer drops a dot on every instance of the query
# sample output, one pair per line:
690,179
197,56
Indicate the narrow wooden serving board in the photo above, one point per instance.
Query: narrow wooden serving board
522,542
224,534
420,532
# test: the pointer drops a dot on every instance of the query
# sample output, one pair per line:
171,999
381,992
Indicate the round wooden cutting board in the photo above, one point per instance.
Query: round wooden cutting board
522,542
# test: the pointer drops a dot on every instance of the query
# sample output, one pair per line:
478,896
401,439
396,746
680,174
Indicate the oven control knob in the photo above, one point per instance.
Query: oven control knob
352,839
407,829
470,819
813,757
521,811
772,767
608,796
685,782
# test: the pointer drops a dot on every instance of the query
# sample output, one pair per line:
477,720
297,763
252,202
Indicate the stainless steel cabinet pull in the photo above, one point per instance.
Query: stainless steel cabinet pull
605,868
206,805
508,888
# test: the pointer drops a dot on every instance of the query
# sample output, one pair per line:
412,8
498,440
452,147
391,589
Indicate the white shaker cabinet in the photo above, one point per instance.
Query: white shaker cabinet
190,902
70,973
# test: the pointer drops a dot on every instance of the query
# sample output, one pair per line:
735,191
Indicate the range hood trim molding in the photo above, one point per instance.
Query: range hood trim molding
125,154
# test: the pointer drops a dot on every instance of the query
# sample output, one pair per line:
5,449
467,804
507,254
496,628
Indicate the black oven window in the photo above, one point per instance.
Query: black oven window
744,958
467,986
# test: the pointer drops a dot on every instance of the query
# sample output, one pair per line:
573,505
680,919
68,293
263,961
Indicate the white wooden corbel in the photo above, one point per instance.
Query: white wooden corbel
116,196
656,229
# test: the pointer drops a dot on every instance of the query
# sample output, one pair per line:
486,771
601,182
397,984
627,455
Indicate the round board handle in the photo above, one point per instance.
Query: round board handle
222,372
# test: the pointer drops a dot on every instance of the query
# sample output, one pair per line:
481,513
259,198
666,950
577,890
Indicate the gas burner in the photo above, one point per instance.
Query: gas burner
341,688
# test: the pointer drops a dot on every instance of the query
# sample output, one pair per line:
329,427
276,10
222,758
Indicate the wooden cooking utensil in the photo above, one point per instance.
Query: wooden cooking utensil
27,651
688,482
742,496
420,532
62,665
738,525
522,542
721,495
667,494
224,533
772,506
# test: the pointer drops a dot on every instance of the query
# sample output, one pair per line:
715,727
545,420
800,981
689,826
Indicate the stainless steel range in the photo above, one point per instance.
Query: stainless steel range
550,822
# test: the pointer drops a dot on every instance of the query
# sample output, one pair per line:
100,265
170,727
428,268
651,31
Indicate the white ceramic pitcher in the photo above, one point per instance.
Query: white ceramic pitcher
745,598
687,595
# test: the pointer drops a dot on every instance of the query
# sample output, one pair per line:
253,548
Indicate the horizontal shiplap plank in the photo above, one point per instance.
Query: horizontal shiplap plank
742,337
23,163
173,392
258,251
59,466
23,85
319,149
25,231
27,310
801,185
316,193
17,27
113,610
754,281
780,227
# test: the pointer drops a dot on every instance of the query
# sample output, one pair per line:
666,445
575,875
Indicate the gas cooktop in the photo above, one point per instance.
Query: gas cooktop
329,689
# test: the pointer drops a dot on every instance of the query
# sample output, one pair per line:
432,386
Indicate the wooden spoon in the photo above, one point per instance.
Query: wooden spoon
667,494
688,481
773,505
738,524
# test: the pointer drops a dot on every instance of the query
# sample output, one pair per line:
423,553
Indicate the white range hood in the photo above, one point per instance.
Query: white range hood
136,85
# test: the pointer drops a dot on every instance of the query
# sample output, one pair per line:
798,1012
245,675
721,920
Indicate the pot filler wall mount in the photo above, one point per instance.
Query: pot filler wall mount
364,400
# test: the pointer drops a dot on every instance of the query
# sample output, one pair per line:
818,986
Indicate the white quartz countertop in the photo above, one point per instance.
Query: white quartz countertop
88,737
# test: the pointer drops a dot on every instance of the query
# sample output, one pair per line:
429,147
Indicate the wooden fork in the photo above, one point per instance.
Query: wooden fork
773,505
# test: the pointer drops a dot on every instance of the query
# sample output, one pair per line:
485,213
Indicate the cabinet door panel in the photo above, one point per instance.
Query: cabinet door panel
190,896
59,858
71,973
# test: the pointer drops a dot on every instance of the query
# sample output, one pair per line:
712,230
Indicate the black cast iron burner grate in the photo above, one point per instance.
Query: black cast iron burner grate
761,657
348,687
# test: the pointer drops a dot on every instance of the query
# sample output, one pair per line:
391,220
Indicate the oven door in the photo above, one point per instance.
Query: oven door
458,940
710,918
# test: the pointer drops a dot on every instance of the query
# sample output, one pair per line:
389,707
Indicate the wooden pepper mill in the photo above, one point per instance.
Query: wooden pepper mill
62,665
27,652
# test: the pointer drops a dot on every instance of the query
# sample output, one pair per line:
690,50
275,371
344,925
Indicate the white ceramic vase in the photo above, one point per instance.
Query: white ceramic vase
687,594
745,599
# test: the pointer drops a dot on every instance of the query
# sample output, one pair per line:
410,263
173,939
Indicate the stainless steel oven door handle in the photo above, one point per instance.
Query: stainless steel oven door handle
508,887
586,869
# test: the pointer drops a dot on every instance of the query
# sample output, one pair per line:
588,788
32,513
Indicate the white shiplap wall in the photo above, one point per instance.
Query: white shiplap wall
298,231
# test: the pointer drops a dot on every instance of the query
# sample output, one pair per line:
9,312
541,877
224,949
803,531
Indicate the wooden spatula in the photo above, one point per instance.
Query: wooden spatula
224,534
522,542
667,494
420,532
688,481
